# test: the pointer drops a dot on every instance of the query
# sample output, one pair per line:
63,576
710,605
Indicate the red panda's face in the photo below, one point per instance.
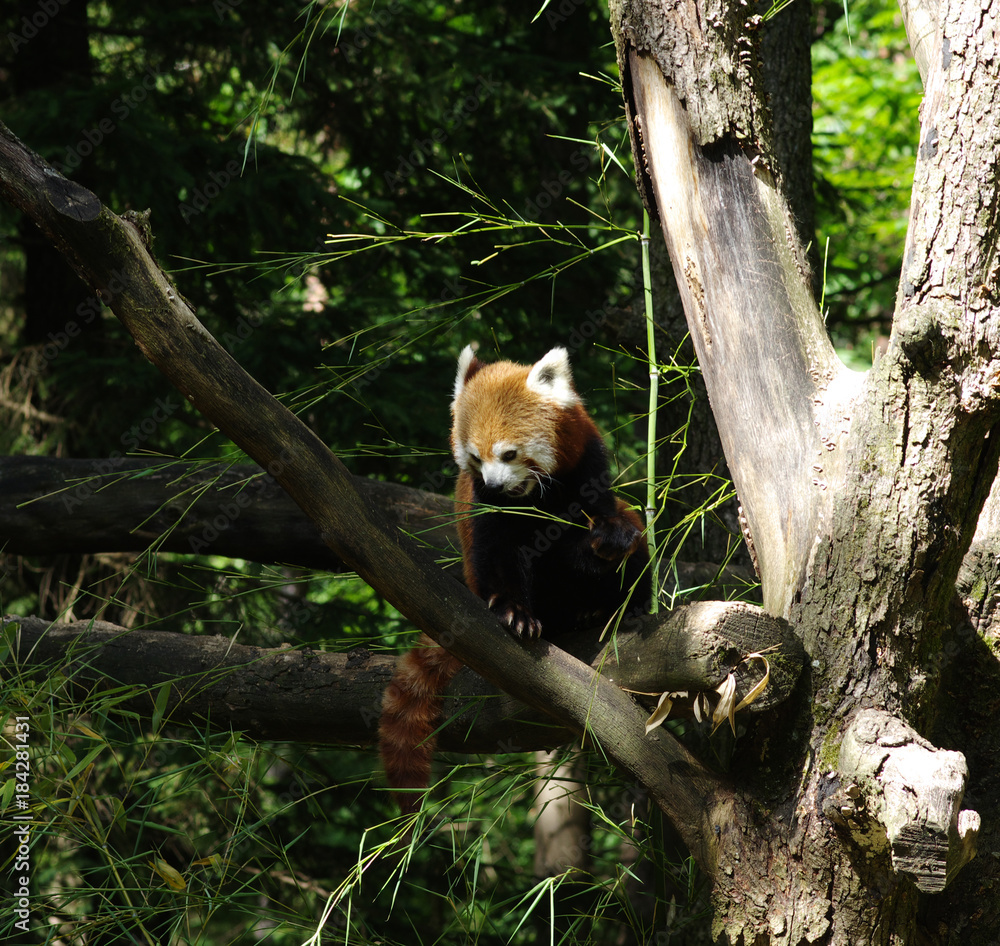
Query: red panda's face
506,420
514,468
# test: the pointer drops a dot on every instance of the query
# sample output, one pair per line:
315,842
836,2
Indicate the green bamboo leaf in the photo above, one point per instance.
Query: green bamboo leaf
160,705
84,762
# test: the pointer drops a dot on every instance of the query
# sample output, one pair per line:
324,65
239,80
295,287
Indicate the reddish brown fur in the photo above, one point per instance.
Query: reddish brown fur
410,710
463,507
575,429
501,407
495,401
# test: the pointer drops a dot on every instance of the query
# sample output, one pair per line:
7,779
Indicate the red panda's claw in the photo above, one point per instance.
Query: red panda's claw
521,622
529,628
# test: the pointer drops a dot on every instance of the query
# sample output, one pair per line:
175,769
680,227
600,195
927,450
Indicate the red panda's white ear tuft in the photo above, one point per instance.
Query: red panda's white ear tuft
552,378
468,365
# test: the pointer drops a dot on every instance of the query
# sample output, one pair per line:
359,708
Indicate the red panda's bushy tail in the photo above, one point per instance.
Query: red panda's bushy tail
411,708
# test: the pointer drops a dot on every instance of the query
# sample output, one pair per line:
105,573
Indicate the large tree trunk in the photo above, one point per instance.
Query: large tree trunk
690,451
860,493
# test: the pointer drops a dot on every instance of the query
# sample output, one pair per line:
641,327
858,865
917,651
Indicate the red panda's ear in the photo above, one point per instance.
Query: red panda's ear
468,365
552,378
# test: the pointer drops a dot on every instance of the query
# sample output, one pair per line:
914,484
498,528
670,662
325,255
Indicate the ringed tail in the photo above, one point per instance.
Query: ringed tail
411,708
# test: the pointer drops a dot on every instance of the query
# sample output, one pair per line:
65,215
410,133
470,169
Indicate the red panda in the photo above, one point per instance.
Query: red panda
545,541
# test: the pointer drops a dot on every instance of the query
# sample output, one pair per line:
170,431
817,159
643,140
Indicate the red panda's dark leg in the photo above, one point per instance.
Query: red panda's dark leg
618,536
499,563
615,530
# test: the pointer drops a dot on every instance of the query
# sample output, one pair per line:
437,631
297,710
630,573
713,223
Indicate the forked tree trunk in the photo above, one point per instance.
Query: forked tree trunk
860,492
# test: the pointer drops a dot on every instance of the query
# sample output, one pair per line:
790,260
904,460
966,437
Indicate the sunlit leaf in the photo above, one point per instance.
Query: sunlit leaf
661,712
702,708
171,877
214,861
160,706
760,686
726,707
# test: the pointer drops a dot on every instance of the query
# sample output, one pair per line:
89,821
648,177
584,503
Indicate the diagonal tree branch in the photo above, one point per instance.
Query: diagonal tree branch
102,247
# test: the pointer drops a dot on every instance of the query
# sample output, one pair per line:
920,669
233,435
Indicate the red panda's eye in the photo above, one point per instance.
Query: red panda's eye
508,456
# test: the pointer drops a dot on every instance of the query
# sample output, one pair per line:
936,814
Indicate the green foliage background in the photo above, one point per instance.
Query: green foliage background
867,93
472,166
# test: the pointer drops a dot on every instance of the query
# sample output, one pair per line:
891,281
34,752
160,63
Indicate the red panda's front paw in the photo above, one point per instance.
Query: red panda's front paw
519,619
614,538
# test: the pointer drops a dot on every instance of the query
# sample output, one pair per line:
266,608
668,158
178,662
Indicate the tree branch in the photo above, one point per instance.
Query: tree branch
923,30
300,695
56,506
913,791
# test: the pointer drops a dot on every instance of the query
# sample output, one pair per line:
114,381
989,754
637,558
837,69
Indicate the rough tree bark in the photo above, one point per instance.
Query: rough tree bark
861,492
